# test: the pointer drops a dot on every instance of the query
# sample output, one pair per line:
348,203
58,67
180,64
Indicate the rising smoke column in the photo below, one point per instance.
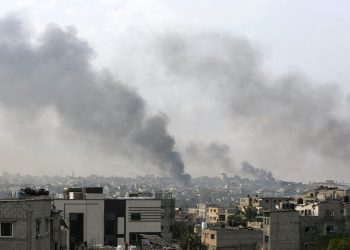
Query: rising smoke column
255,173
213,155
56,72
289,112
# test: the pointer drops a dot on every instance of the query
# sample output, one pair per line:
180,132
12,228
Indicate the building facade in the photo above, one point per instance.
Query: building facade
29,224
325,212
97,220
223,239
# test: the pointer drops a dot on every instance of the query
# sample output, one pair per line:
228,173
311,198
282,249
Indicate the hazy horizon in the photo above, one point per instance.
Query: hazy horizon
175,88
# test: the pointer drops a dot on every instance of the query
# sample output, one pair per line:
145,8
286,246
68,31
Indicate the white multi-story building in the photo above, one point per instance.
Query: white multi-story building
94,219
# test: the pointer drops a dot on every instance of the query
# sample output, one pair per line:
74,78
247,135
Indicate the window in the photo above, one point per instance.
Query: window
109,227
330,229
37,227
135,216
310,229
47,225
307,212
266,221
329,212
6,229
267,238
212,236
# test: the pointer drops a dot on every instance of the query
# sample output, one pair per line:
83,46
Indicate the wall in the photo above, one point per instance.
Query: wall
151,216
93,211
231,239
281,228
23,214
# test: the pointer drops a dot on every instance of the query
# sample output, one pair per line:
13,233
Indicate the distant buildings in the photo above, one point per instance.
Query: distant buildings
287,223
219,214
263,203
326,211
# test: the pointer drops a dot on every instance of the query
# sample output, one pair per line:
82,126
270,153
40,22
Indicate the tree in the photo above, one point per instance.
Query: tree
249,213
331,242
235,219
339,244
190,240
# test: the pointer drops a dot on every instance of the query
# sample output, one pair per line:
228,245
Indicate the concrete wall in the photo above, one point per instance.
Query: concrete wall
151,216
93,211
231,239
24,214
313,227
168,221
281,230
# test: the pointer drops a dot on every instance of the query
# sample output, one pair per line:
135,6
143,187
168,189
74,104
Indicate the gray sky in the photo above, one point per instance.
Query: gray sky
171,53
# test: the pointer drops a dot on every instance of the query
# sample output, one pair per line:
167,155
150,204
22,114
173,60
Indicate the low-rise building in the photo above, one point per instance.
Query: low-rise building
29,223
219,214
202,209
299,226
97,220
263,203
281,230
228,239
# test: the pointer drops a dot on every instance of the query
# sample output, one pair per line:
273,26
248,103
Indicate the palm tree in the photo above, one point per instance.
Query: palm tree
249,213
235,219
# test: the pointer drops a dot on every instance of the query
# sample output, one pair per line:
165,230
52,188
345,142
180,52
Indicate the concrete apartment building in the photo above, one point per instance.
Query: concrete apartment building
202,210
299,227
281,230
263,203
228,239
218,214
29,223
97,220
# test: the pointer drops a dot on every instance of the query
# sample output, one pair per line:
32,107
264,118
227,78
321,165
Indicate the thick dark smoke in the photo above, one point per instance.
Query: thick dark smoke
255,173
214,155
289,112
56,72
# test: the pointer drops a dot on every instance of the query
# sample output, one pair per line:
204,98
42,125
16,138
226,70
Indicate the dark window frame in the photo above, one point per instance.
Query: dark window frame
2,233
135,216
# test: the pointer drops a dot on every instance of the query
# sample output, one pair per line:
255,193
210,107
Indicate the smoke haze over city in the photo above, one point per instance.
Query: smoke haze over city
189,96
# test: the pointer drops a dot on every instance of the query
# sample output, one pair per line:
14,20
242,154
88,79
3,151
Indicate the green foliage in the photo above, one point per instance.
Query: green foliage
235,220
249,213
178,230
190,240
332,242
339,244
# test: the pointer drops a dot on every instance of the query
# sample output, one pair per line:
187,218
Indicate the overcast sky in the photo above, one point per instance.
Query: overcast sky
228,81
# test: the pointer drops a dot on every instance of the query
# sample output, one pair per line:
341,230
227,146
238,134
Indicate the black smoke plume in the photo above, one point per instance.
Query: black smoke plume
213,155
289,114
56,72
